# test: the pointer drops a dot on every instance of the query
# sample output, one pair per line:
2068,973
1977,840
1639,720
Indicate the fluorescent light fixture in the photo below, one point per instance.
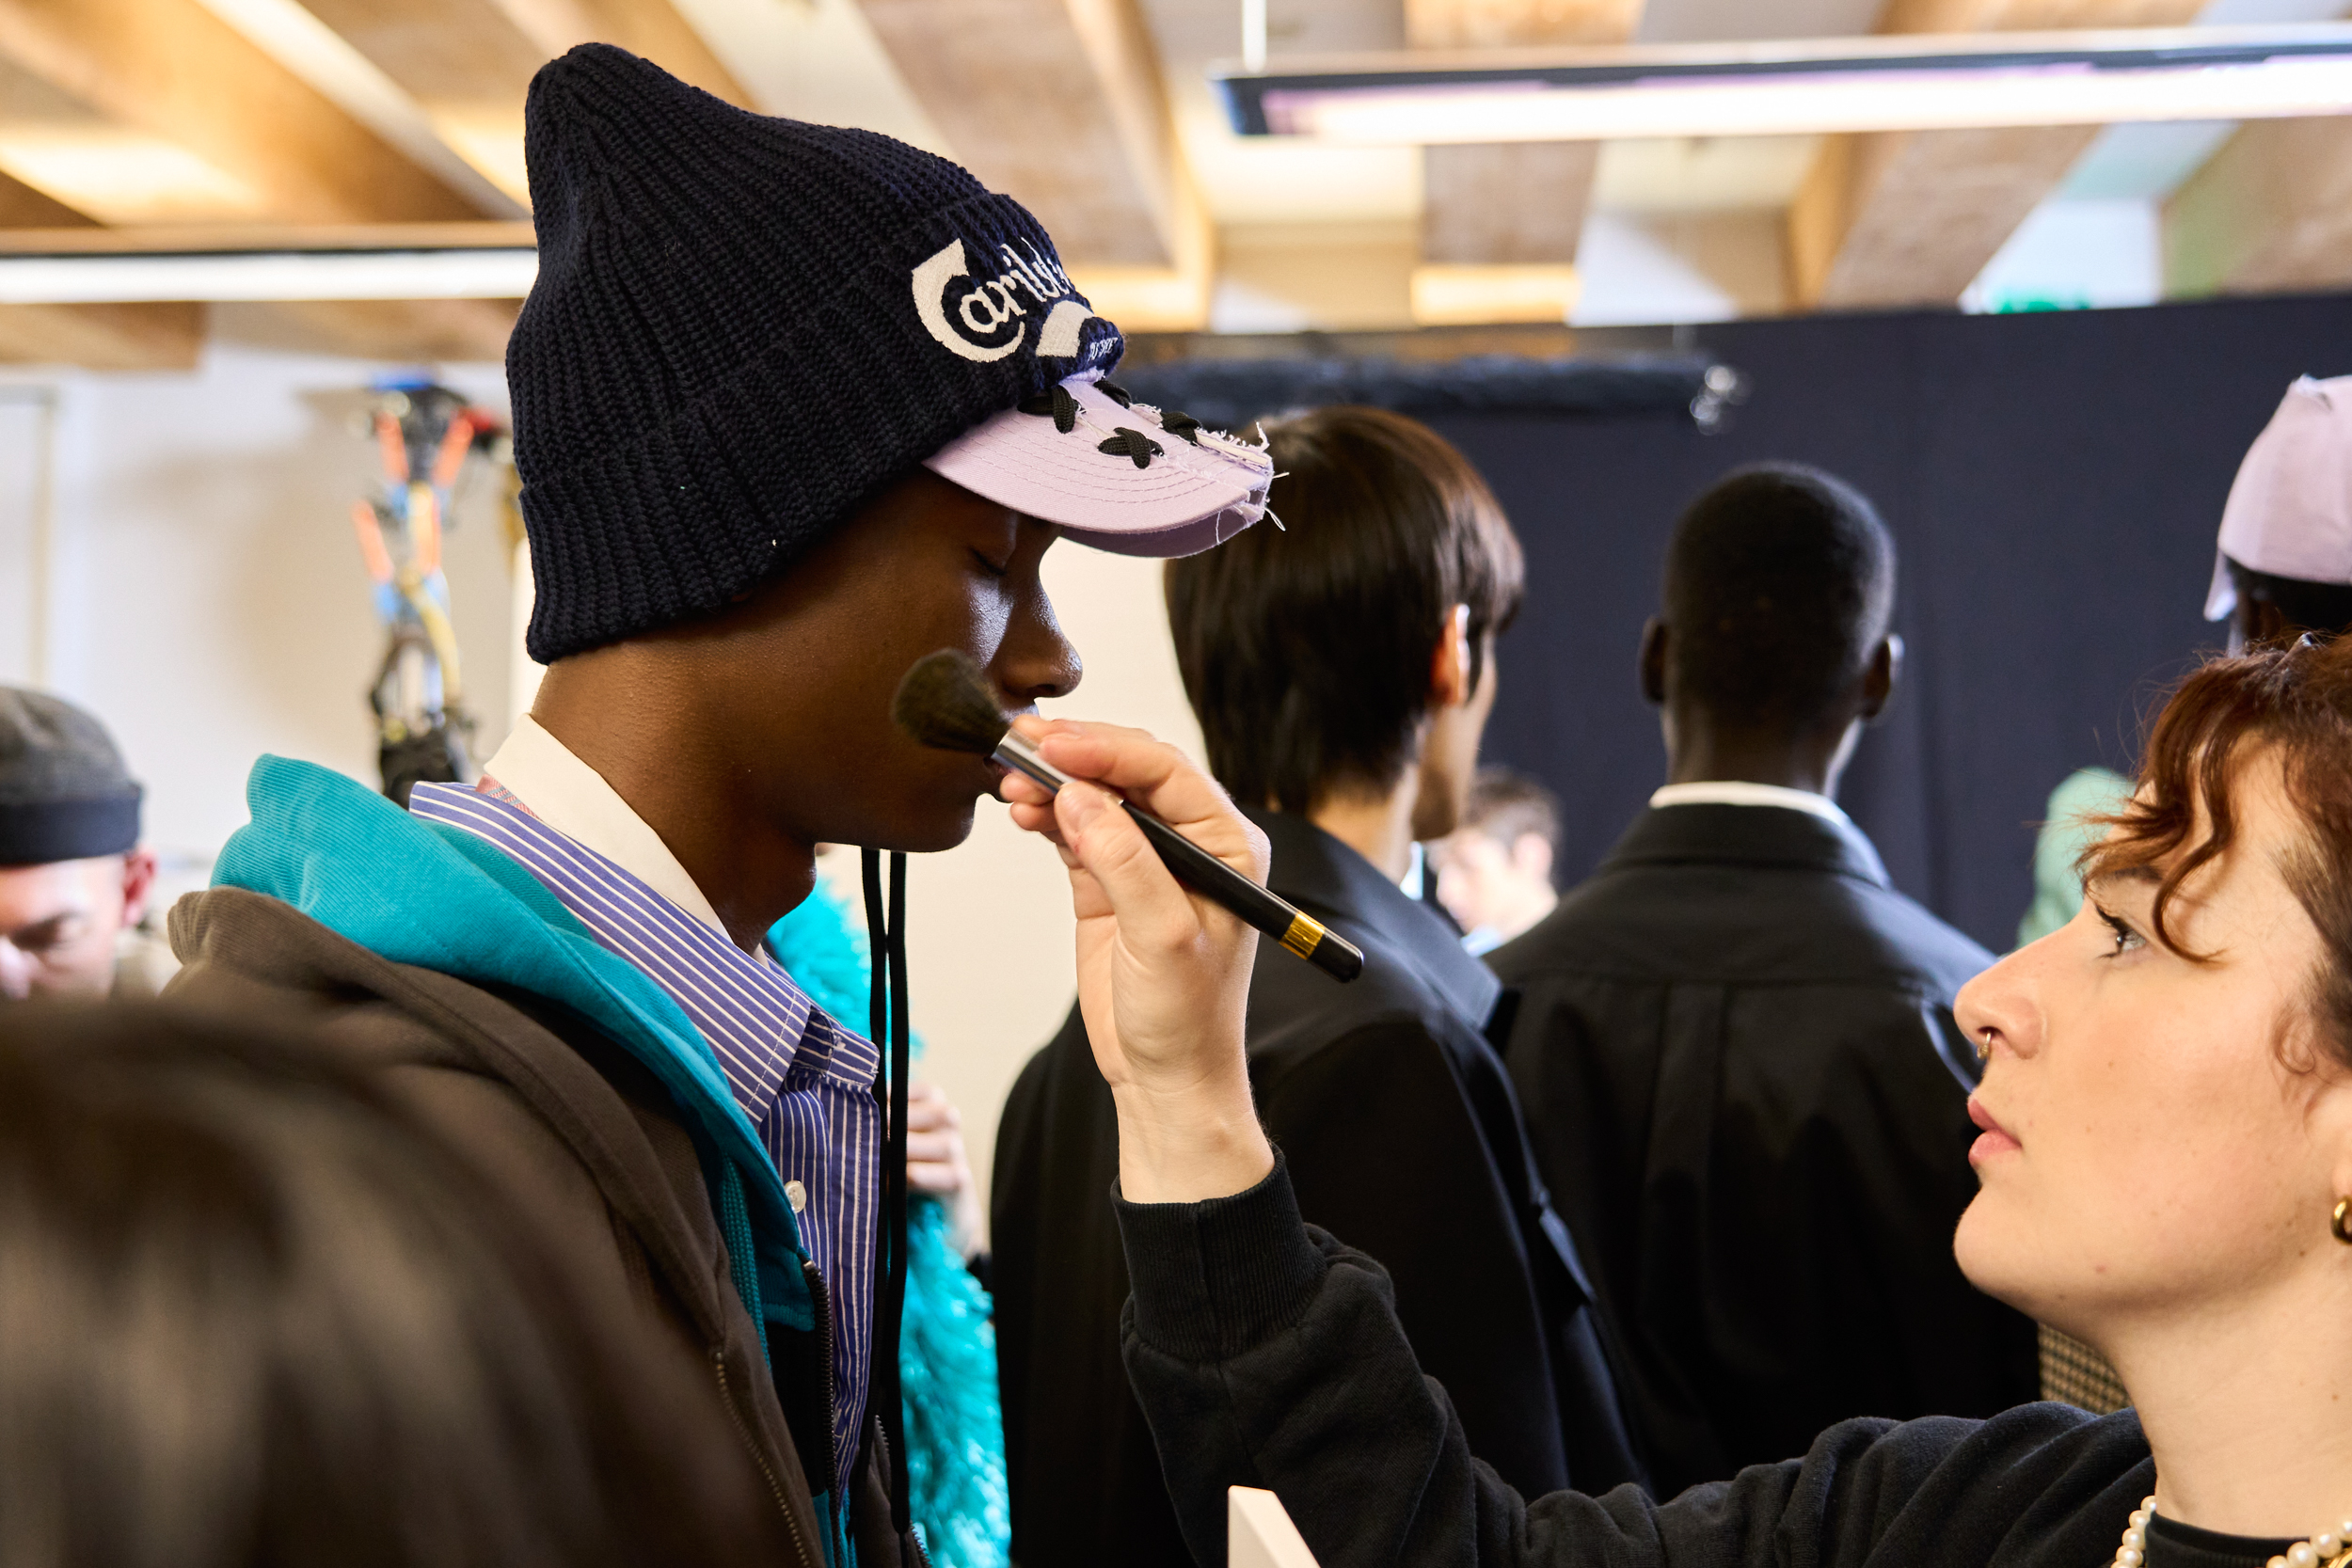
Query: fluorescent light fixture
1912,83
269,276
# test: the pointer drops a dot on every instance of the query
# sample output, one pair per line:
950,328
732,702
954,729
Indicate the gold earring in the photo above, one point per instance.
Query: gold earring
2342,1225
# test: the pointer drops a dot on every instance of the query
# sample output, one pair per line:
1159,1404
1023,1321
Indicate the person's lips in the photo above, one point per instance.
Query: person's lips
1994,1139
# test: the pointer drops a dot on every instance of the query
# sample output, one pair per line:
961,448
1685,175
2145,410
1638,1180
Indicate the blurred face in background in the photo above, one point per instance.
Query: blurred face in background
1492,887
59,921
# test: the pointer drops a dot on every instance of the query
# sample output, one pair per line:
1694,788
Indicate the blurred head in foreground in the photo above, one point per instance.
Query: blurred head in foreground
1771,647
2167,1158
2284,563
1494,871
73,875
1330,657
248,1316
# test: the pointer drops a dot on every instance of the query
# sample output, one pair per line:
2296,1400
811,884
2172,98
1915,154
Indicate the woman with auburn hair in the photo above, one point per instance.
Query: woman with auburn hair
2166,1172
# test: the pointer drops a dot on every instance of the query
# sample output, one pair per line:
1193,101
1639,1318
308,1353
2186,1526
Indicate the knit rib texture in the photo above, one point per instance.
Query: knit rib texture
722,357
1212,1279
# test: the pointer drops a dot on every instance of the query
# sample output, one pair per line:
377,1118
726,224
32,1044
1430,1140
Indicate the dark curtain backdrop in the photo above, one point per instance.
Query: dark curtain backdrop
2054,482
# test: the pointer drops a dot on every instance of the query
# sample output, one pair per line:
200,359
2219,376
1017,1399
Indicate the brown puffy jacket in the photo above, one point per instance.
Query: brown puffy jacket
584,1142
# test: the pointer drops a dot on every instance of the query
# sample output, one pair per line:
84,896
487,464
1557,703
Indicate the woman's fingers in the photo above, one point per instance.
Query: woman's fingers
1155,776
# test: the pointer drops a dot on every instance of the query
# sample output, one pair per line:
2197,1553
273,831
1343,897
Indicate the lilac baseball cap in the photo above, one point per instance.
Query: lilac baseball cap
1111,472
2290,510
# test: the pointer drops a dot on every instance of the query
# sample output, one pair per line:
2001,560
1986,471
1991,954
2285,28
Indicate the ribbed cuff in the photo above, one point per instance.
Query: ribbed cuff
35,833
1212,1279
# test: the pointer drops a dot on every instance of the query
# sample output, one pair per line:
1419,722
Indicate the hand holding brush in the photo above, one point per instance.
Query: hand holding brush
945,702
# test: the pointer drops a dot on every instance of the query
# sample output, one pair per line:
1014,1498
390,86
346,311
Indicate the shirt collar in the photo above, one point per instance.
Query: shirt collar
1737,792
547,779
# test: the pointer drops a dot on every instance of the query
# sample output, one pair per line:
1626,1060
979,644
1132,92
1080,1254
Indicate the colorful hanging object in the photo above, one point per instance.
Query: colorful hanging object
423,434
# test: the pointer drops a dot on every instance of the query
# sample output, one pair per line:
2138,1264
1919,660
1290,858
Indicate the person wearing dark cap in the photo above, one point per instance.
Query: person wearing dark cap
1734,1041
794,407
74,878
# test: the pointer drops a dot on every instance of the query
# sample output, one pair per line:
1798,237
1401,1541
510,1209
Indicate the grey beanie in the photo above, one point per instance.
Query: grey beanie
64,793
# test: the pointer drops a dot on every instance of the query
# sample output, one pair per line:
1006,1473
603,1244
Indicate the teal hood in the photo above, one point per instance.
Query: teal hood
419,893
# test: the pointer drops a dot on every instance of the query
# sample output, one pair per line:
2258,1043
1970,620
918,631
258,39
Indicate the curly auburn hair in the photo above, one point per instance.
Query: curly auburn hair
2291,700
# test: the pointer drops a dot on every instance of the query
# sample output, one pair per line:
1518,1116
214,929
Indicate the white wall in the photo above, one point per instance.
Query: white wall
203,594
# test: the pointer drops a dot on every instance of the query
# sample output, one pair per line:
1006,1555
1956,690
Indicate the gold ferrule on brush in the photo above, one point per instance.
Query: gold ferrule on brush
1303,934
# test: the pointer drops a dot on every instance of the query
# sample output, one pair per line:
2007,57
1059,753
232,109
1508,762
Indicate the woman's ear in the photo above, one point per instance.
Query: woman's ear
1450,667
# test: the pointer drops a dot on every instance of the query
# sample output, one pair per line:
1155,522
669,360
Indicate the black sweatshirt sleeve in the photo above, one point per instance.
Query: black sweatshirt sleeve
1266,1354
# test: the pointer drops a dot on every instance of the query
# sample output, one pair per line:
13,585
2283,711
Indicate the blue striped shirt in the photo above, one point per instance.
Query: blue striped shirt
806,1083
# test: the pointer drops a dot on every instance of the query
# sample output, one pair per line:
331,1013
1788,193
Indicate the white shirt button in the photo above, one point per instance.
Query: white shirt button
798,1195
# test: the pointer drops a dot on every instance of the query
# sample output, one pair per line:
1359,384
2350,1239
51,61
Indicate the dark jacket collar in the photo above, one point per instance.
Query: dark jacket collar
1747,835
1340,887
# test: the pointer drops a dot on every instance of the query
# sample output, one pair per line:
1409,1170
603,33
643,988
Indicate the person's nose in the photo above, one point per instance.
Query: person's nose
2000,1009
16,971
1036,661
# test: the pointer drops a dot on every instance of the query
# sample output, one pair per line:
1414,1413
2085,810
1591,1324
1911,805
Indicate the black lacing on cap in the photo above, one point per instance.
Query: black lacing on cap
1056,400
1127,442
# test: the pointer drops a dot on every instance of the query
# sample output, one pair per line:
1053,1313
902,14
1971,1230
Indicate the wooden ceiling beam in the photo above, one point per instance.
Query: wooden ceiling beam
1060,104
463,330
2271,211
166,337
22,207
172,69
1510,204
1511,23
1910,219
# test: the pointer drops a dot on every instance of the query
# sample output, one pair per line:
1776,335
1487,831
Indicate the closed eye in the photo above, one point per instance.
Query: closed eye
992,568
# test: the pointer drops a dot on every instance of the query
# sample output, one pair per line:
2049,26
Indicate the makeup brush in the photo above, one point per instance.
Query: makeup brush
943,702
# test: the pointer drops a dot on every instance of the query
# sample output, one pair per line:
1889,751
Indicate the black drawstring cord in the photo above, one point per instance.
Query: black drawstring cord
887,938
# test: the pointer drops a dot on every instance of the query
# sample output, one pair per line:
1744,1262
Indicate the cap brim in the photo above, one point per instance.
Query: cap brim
2221,598
1185,497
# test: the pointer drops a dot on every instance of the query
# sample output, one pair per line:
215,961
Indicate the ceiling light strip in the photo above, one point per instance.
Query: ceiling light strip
280,276
1828,86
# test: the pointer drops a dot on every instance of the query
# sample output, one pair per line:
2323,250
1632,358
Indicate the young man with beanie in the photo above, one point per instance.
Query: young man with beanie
1343,670
794,406
73,880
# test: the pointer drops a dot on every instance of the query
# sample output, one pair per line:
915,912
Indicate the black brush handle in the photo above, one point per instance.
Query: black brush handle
1303,934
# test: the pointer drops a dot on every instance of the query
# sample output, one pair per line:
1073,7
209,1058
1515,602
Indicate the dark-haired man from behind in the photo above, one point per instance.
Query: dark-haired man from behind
1735,1042
1343,671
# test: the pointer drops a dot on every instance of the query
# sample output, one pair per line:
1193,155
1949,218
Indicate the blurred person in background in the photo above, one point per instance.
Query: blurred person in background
1494,871
250,1313
73,877
2283,569
1343,671
1735,1040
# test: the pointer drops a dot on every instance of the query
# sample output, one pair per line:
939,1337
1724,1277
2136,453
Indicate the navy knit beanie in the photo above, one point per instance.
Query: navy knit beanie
744,327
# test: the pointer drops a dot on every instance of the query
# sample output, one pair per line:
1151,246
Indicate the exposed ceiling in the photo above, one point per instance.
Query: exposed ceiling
291,124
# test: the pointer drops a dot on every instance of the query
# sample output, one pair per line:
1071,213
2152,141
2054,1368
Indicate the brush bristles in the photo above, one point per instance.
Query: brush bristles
943,702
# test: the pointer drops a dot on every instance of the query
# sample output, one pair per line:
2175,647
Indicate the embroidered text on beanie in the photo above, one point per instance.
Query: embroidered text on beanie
742,328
